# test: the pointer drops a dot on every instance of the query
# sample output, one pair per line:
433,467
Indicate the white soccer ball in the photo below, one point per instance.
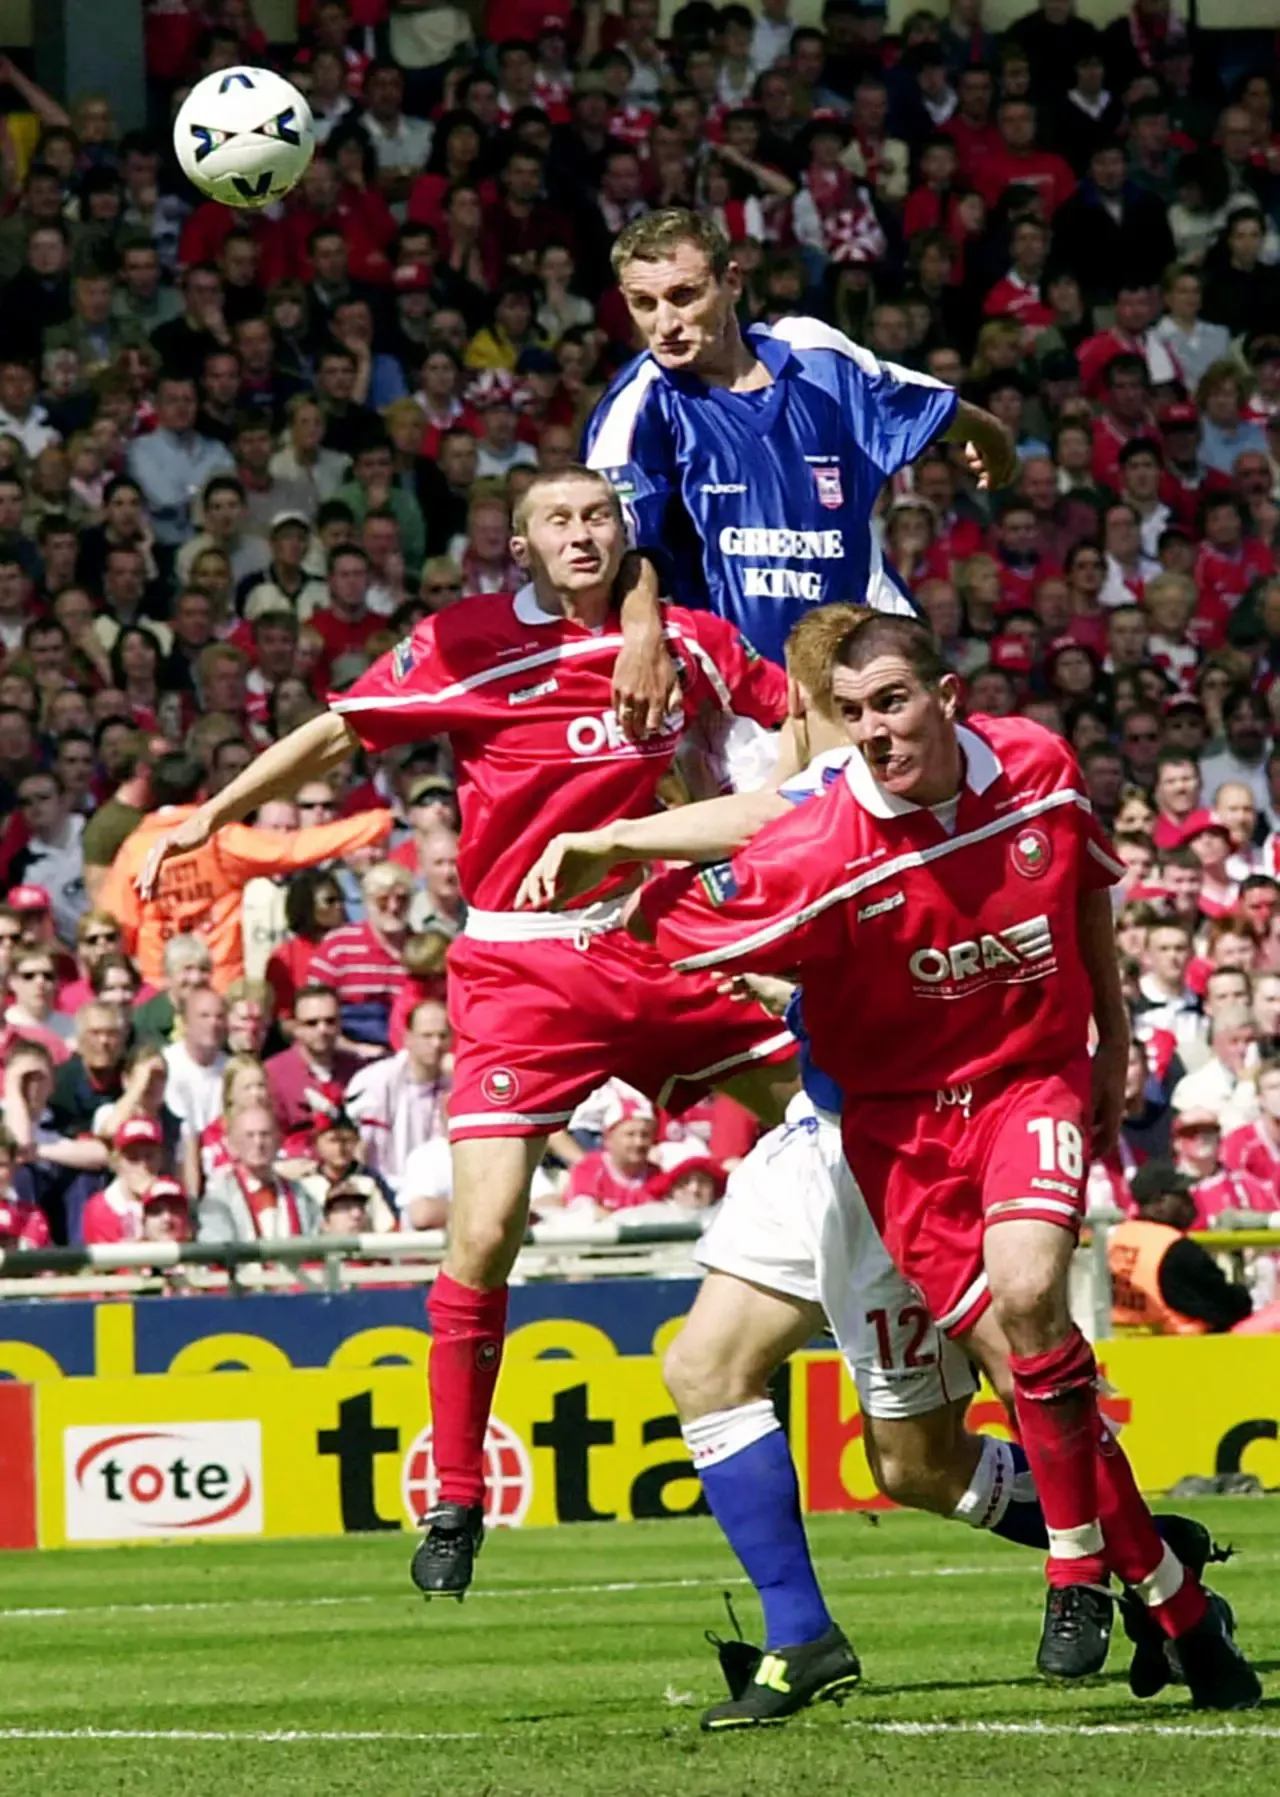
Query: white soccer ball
245,137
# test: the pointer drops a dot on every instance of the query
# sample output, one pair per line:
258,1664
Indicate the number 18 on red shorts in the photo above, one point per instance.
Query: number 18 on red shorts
937,1168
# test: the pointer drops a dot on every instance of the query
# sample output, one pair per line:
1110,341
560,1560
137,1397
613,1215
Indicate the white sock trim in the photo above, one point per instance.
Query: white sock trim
1164,1582
1076,1544
723,1433
991,1488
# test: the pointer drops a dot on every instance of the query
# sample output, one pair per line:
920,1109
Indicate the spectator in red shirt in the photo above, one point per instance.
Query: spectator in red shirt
935,205
977,140
620,1174
346,623
1017,294
363,962
313,906
1228,562
1255,1147
115,1214
1019,163
22,1223
522,221
935,480
1177,796
1126,413
1130,335
1018,552
309,1079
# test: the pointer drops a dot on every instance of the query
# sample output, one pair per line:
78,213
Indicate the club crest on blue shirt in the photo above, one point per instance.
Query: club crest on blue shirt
830,492
403,658
718,883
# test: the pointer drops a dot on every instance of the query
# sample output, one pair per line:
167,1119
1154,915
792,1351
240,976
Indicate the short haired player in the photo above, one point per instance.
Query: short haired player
793,1241
542,1009
750,462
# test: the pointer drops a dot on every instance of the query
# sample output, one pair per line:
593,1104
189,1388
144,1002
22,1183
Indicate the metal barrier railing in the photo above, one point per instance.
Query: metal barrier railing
610,1248
332,1262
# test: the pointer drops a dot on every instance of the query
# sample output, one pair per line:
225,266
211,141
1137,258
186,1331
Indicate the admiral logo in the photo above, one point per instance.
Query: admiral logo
718,883
129,1483
1024,951
403,658
881,906
526,695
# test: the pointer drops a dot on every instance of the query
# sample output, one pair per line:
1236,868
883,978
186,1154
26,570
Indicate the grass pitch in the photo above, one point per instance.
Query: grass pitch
577,1668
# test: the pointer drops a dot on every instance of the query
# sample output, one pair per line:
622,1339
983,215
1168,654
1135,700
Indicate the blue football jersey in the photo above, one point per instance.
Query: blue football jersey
758,505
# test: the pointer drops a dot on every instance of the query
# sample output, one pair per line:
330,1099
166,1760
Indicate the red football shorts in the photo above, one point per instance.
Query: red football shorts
937,1168
538,1025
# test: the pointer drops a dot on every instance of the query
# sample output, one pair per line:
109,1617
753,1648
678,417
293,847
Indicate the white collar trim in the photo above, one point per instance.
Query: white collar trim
528,611
982,767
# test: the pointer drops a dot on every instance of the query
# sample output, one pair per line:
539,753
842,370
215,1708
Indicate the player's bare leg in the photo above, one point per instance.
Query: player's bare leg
718,1370
468,1311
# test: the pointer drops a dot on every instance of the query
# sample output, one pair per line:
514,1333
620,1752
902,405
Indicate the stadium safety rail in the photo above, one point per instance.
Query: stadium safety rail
608,1247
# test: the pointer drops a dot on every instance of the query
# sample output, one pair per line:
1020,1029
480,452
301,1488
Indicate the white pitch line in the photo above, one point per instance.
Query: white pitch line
845,1576
289,1737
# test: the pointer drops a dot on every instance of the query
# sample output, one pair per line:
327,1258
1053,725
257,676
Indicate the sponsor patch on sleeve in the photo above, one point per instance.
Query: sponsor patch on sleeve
718,883
403,658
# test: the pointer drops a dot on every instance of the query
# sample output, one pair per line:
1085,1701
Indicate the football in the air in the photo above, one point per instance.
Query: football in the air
244,136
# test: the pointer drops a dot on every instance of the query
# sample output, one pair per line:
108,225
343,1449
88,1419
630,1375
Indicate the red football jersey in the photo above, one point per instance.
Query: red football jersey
527,700
1250,1149
928,958
1232,1190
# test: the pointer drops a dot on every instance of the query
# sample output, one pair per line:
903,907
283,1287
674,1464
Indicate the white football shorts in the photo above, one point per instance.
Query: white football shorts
793,1220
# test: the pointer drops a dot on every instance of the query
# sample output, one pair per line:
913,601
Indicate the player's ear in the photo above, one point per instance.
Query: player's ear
949,697
520,552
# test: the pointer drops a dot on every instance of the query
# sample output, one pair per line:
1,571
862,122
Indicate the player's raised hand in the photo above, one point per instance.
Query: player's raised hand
644,686
570,865
192,833
763,989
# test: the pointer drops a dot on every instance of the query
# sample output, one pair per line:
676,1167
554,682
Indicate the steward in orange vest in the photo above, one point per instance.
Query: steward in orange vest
1160,1279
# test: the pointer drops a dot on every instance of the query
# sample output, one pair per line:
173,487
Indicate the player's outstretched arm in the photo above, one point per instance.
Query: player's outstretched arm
644,675
989,448
576,862
307,753
1095,928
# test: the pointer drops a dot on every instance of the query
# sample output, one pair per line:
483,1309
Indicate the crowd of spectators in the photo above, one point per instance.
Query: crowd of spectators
241,454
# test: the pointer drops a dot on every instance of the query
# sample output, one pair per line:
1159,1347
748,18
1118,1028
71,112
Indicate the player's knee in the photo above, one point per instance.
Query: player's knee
702,1377
483,1246
1031,1309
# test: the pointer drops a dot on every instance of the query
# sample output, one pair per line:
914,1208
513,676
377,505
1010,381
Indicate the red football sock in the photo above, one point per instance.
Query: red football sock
467,1328
1057,1409
1135,1553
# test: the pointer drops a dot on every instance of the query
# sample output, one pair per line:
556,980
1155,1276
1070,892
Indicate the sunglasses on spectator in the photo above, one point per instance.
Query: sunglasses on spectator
35,973
101,937
317,805
391,901
442,586
1142,736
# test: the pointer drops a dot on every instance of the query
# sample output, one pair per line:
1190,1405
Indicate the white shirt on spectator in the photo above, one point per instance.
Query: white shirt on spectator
60,870
770,42
192,1092
34,432
1215,1088
428,1173
408,146
397,1114
492,466
1217,770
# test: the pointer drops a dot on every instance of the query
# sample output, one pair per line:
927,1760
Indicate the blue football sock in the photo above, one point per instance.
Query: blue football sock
755,1497
1023,1521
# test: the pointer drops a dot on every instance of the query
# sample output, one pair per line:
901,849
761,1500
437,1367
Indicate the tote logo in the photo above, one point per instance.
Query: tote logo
127,1483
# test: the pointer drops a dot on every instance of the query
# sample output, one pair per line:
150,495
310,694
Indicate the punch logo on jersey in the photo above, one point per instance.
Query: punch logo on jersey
718,883
1031,852
830,492
500,1086
1009,957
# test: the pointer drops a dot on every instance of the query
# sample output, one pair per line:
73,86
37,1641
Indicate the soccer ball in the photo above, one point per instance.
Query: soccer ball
245,137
